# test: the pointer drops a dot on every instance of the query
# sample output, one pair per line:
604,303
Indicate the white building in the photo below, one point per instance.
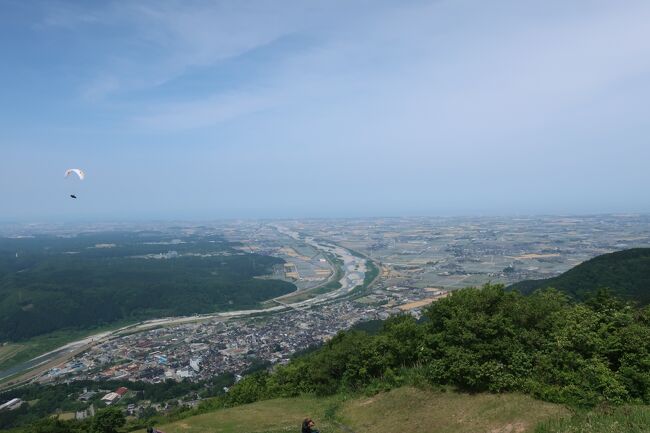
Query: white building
12,404
194,363
110,398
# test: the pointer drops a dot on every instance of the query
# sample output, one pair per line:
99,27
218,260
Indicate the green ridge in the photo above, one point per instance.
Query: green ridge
626,273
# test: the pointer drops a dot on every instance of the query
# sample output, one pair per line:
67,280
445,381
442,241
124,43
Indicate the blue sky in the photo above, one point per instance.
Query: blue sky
221,109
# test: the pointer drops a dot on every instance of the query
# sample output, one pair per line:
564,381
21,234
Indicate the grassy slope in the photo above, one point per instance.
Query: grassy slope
626,272
9,351
267,416
413,410
401,410
625,419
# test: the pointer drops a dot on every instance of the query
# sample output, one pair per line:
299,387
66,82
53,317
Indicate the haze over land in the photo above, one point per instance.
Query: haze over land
276,109
390,216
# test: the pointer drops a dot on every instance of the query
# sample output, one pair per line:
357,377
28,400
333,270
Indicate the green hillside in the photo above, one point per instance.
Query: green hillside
409,409
404,409
626,273
49,283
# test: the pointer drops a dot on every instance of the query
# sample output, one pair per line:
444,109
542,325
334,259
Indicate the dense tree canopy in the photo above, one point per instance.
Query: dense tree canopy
626,273
108,420
49,283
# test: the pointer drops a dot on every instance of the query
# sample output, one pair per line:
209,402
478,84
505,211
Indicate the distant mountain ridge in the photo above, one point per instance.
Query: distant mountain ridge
626,273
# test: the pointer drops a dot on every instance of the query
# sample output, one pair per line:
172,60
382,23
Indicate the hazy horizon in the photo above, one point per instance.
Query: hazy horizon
136,223
222,110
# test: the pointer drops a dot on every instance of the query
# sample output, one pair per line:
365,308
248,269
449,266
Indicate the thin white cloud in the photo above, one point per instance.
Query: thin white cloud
421,71
199,114
414,74
99,88
152,42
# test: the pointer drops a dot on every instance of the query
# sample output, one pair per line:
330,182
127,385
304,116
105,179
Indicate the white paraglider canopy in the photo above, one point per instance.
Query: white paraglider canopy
76,171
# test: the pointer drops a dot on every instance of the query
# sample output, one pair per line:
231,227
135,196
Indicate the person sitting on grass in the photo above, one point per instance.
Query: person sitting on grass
308,426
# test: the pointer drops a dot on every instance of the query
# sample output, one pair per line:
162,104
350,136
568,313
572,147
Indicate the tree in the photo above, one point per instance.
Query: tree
51,425
108,420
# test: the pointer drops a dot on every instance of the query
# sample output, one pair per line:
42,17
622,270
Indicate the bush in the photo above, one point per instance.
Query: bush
484,339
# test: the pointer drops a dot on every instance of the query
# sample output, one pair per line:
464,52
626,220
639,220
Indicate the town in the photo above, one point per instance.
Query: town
199,351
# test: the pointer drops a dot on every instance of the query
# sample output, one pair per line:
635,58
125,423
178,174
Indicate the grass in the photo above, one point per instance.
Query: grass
271,416
624,419
412,410
371,273
9,351
367,300
15,353
404,409
331,285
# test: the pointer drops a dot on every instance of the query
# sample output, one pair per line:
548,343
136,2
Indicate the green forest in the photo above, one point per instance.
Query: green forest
49,283
626,273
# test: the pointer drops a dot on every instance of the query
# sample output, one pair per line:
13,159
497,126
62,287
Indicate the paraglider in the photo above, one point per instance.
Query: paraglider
76,171
80,173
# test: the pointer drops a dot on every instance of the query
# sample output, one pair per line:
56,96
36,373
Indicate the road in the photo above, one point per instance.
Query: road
353,274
